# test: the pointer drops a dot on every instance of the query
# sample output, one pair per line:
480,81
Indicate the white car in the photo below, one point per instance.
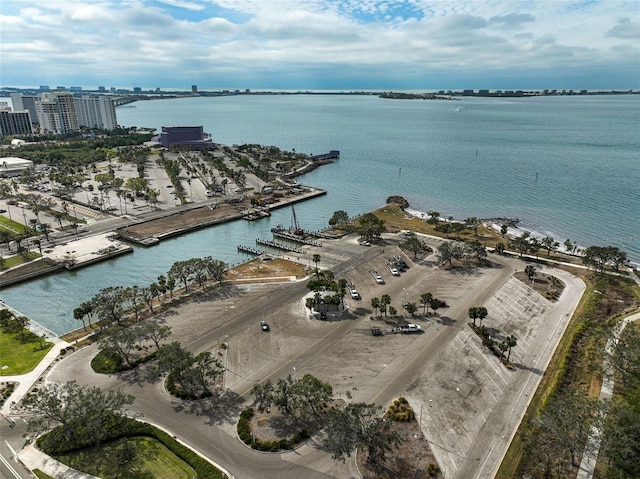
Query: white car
379,279
411,328
365,243
355,294
395,272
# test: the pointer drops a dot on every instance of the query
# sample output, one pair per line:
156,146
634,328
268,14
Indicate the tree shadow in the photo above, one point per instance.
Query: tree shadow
217,410
522,367
447,321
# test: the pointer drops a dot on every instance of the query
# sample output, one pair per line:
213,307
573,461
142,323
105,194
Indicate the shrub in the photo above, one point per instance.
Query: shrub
433,469
55,442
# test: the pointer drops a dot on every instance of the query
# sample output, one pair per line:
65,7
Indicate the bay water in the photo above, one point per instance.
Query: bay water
567,166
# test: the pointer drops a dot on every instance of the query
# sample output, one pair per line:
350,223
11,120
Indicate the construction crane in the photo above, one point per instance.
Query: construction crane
296,227
259,198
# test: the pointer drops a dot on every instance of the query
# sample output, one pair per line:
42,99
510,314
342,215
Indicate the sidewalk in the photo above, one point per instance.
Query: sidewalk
592,448
34,459
26,381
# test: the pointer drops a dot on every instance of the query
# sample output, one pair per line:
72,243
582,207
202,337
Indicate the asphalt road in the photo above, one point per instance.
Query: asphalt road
341,351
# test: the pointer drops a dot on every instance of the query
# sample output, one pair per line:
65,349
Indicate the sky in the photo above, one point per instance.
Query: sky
321,44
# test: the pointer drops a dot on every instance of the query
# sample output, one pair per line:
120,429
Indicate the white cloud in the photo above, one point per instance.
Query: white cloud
178,41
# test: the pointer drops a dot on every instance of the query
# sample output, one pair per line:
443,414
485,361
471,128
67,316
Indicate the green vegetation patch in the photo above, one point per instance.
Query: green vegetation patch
129,458
575,363
18,259
41,475
19,356
55,444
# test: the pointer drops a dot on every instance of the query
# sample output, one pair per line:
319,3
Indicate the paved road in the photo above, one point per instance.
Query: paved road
360,366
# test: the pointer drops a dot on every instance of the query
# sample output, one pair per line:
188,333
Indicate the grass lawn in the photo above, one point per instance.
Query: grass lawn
151,460
19,259
12,226
41,475
396,220
20,358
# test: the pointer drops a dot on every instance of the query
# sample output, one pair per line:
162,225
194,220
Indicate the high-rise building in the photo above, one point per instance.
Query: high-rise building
26,102
56,112
96,111
61,112
194,89
15,123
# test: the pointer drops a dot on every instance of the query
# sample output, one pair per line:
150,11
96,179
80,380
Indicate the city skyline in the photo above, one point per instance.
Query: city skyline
321,44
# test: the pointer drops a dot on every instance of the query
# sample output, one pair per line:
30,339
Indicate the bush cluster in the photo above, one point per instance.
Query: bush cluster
54,443
400,411
175,390
244,432
244,426
108,362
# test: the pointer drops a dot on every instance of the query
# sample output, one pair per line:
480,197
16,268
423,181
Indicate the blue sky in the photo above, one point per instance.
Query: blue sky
321,44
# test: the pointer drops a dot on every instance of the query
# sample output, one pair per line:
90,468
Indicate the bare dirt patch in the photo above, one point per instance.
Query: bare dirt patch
261,268
184,220
410,460
546,285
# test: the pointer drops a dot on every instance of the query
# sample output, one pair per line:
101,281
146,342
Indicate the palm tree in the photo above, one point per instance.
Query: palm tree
425,300
310,303
530,270
38,243
482,313
316,260
473,314
508,343
375,304
549,244
385,300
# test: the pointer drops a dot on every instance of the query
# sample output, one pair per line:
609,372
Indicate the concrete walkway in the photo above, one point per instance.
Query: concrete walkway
26,381
34,459
592,448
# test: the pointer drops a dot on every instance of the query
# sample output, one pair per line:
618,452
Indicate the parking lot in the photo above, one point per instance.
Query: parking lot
467,403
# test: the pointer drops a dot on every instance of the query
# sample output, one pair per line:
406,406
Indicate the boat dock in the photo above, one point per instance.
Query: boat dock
277,245
284,234
250,250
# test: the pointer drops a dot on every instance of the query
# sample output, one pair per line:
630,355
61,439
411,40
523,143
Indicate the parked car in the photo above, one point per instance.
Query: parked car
355,294
365,243
379,279
394,272
410,328
264,326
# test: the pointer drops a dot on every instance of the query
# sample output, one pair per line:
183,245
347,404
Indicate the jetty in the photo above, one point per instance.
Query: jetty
332,155
277,245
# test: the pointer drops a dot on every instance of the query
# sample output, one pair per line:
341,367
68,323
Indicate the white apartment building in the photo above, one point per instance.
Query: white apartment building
61,112
57,112
96,111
